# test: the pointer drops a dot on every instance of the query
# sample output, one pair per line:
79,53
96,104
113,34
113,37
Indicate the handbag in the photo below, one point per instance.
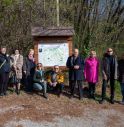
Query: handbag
13,79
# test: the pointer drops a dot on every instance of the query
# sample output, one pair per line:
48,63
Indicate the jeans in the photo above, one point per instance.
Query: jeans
122,89
112,88
73,87
40,86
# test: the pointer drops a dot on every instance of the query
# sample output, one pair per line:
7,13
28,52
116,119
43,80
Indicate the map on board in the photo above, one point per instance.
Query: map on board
53,54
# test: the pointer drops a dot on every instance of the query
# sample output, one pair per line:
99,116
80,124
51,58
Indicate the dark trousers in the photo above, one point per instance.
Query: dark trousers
92,89
112,88
4,78
122,90
29,83
73,87
59,88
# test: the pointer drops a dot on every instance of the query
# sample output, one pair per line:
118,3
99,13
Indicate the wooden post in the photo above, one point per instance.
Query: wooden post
57,9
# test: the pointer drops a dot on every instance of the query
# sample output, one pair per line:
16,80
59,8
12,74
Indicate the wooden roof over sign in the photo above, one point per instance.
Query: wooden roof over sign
52,31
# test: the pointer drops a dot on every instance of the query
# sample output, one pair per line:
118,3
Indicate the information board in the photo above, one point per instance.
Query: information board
50,54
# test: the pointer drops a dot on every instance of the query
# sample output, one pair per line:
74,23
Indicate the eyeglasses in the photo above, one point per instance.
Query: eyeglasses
110,51
56,68
39,66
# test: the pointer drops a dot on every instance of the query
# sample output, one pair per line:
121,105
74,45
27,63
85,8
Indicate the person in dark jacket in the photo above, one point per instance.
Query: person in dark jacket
121,76
75,63
109,72
4,71
39,80
29,70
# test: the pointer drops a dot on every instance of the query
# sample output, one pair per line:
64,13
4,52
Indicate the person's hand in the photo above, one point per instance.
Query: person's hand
42,80
24,72
105,77
18,68
76,67
14,66
54,84
50,83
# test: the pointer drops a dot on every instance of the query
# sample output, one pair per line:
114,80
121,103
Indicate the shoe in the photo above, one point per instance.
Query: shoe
80,98
102,102
122,102
59,95
5,93
2,94
18,92
90,97
45,96
93,97
112,101
71,96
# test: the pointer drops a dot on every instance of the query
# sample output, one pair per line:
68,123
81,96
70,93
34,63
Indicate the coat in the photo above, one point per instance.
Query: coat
38,76
91,70
29,67
121,71
4,63
19,65
106,67
59,77
73,73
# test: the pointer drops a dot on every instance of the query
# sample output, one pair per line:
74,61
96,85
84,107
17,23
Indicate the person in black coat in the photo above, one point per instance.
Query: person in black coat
75,63
29,70
121,76
109,73
4,71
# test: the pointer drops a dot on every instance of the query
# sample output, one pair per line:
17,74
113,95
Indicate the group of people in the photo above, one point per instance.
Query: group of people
16,70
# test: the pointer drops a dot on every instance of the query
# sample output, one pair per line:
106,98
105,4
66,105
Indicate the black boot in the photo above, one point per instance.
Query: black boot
18,92
102,101
5,93
122,102
93,97
1,94
71,96
112,100
45,95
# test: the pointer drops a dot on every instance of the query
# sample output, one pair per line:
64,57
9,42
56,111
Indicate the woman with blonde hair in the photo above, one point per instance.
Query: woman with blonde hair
28,70
39,82
17,70
91,71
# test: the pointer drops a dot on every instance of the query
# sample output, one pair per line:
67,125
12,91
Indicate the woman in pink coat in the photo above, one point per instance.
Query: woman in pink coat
91,71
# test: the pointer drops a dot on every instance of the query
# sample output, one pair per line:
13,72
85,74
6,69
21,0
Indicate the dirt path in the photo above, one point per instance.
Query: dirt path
34,111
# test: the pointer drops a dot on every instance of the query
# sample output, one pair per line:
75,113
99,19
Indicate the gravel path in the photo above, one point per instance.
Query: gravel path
90,118
35,111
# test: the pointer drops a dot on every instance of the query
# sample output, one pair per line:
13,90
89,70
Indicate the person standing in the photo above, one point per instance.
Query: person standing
109,72
91,72
4,71
121,76
17,70
75,63
29,70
